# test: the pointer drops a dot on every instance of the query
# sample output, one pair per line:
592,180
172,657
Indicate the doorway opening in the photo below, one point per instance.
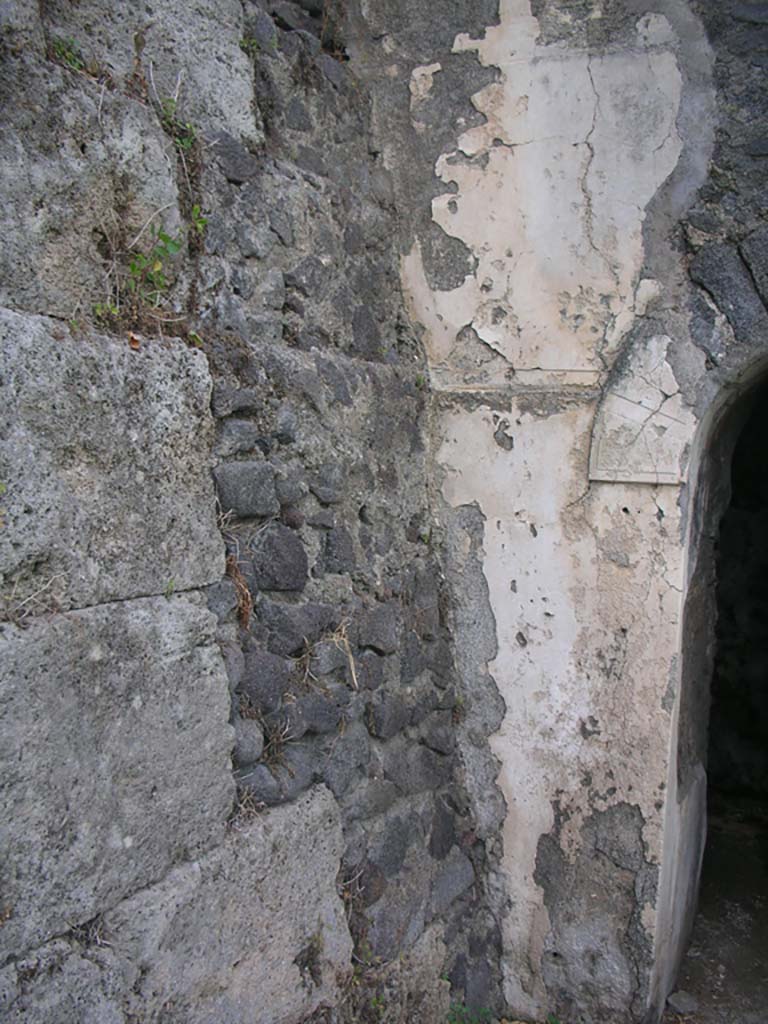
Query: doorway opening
725,971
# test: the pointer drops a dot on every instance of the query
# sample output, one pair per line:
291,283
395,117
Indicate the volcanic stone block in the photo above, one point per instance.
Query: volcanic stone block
114,757
279,559
105,457
247,488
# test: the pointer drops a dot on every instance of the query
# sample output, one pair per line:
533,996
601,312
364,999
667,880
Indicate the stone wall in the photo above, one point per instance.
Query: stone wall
229,699
369,372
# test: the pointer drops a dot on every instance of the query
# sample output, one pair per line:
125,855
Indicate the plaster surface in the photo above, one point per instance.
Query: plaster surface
560,419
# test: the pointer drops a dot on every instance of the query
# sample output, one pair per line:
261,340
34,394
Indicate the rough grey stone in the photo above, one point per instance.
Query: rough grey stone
339,551
454,878
439,732
328,657
321,714
378,629
249,741
267,678
222,598
134,693
255,241
228,398
290,627
387,714
104,454
247,488
235,437
414,770
328,484
278,558
310,277
369,799
366,334
265,900
369,668
236,163
389,850
755,252
719,269
443,834
348,755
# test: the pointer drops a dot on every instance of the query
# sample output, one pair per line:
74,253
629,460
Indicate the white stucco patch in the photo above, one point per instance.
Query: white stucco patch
643,427
551,196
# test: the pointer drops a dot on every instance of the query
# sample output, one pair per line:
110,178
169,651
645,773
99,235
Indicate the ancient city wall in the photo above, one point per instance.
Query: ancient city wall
365,382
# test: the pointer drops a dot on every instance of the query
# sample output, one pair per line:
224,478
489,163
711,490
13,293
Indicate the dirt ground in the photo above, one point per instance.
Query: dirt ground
726,967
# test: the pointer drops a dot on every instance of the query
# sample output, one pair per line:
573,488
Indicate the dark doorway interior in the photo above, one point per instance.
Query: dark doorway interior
726,968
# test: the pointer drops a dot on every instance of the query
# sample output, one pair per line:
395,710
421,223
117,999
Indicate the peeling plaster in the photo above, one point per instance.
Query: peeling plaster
556,232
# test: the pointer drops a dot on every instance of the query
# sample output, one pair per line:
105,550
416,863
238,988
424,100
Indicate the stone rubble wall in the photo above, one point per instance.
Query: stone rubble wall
228,697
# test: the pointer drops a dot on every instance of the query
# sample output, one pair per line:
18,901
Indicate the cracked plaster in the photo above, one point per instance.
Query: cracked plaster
561,444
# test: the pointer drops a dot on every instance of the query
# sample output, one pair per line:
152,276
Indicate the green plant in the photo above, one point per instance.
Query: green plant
459,1014
169,588
183,133
148,271
552,1019
65,52
250,46
197,220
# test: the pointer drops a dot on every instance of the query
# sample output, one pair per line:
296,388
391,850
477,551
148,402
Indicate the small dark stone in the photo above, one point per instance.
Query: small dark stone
369,799
249,742
281,224
755,252
291,517
309,277
426,602
387,714
297,116
321,714
366,334
290,627
266,680
278,558
339,551
328,484
455,877
416,769
311,160
255,241
221,598
369,669
247,488
378,629
443,834
236,163
354,239
261,784
290,489
439,732
262,29
328,657
390,850
372,884
346,759
333,70
720,270
227,399
235,437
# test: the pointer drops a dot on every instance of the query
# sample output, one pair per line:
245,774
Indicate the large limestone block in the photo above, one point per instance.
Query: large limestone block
114,758
104,452
254,933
